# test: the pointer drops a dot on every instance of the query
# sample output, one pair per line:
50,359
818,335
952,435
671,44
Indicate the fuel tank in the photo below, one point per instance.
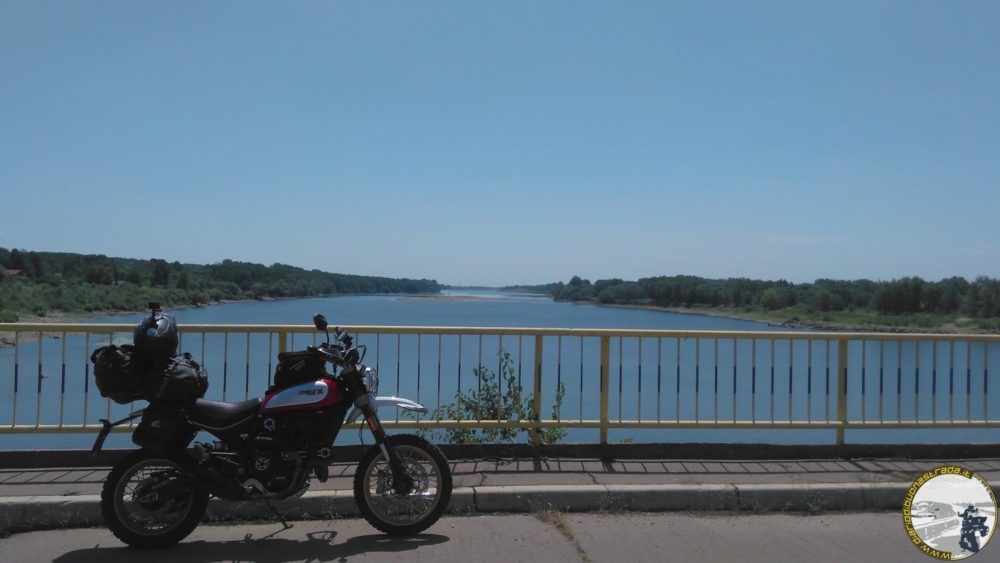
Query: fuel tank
313,395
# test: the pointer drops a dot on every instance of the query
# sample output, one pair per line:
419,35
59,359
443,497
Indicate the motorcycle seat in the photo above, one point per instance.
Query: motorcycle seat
220,415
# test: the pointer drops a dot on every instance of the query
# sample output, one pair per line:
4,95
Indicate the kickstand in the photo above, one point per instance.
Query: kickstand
281,518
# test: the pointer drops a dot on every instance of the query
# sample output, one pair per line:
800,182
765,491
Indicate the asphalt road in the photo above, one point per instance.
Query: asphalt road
546,536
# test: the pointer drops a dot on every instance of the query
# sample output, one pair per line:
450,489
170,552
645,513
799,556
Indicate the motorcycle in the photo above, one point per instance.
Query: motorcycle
269,448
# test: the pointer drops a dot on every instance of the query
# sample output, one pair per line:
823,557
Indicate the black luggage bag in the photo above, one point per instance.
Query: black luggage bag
124,376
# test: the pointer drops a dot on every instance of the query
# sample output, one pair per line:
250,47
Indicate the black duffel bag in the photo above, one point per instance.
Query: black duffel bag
115,373
124,376
177,378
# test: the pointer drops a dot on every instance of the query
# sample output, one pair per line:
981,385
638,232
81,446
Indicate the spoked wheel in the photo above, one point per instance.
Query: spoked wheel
404,512
146,504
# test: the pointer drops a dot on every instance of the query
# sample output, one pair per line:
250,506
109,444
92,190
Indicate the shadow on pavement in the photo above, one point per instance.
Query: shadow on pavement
316,546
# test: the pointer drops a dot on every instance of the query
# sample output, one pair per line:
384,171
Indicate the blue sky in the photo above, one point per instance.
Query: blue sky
508,142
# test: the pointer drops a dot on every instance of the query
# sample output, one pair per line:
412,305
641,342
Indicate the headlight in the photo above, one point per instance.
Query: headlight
370,379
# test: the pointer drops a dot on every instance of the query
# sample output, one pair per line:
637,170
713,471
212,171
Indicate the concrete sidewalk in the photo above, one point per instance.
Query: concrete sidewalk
69,497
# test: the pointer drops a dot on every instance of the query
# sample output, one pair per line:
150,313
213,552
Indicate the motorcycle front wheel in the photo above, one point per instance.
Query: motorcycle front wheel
408,512
136,509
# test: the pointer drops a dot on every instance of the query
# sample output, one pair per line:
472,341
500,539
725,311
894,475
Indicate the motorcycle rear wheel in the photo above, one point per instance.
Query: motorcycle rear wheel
136,515
403,514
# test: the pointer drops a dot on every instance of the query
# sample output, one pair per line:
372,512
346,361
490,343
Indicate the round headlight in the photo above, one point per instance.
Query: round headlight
370,378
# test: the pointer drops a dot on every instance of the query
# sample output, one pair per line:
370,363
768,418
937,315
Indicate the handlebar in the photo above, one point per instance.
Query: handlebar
343,350
339,354
324,350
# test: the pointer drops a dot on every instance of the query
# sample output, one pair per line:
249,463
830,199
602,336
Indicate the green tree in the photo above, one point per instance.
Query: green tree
134,276
578,289
16,260
161,273
952,291
983,298
625,292
772,299
36,267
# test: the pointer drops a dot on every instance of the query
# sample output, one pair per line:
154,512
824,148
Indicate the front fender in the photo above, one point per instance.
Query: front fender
399,402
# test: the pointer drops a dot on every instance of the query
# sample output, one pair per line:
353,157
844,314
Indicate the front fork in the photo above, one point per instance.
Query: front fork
402,483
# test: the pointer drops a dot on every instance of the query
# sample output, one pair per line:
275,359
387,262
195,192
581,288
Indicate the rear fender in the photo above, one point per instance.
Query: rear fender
398,402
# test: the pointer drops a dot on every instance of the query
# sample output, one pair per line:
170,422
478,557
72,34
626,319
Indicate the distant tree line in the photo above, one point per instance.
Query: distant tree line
37,283
979,298
546,288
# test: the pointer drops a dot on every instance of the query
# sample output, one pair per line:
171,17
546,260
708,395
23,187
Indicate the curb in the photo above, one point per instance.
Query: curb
19,514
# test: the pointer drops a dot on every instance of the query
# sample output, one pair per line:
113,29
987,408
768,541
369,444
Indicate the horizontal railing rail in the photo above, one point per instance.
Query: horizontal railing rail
611,380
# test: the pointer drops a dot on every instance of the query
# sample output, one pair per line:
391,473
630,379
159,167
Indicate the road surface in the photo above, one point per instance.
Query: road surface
509,538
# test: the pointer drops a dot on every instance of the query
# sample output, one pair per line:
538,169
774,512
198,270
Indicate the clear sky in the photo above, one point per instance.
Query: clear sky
508,142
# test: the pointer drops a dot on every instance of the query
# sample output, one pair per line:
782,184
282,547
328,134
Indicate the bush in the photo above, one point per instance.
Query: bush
490,402
8,316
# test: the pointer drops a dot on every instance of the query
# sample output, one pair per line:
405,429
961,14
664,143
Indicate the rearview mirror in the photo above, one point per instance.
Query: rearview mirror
320,321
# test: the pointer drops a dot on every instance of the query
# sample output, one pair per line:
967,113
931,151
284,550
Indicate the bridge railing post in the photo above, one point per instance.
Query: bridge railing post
605,388
841,389
536,404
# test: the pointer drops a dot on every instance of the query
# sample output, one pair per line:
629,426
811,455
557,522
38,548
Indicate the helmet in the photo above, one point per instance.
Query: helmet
156,335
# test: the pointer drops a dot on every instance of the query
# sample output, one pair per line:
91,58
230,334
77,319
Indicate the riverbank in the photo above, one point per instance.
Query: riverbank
845,324
62,317
848,321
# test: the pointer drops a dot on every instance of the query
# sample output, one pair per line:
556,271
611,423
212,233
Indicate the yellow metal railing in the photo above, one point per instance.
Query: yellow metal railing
610,379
